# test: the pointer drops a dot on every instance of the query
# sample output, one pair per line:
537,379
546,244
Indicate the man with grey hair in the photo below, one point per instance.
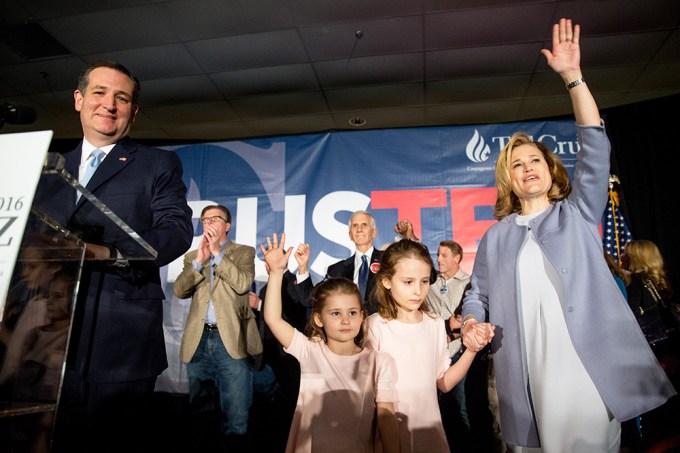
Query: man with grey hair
365,263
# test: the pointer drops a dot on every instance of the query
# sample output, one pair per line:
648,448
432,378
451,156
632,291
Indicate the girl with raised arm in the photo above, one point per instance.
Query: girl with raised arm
344,388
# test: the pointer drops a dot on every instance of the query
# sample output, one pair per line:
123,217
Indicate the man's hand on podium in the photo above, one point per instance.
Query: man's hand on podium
98,252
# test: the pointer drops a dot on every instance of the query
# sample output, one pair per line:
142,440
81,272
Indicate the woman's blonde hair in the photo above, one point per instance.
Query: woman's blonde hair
616,268
321,293
507,202
405,248
644,257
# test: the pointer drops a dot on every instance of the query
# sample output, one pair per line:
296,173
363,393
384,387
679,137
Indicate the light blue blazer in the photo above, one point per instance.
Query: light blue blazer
602,327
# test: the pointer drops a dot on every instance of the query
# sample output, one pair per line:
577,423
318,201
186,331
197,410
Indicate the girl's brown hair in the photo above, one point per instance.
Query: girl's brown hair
405,248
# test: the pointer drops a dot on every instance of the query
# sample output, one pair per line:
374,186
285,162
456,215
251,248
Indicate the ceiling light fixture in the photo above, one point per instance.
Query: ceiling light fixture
357,121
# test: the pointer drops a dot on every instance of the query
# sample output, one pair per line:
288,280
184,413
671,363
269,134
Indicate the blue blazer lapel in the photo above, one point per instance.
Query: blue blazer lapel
120,156
72,160
348,268
375,256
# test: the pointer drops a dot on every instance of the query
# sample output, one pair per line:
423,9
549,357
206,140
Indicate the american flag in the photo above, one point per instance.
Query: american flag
615,232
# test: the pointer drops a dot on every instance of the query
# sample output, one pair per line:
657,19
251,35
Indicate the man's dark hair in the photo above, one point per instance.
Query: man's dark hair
84,77
227,214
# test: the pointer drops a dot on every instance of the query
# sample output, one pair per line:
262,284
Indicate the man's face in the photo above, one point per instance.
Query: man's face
447,261
361,232
218,225
106,108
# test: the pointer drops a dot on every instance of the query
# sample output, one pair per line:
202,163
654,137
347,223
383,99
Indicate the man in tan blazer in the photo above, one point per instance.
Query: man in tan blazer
221,332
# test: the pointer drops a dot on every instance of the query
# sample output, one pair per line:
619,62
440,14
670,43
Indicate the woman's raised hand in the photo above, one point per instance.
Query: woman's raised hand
566,52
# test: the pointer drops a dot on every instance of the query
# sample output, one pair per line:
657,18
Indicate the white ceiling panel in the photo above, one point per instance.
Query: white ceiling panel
215,69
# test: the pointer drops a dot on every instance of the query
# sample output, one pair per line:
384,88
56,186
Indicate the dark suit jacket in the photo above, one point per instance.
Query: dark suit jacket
117,333
345,269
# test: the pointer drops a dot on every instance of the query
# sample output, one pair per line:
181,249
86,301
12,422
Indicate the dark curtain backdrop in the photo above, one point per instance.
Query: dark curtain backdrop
643,137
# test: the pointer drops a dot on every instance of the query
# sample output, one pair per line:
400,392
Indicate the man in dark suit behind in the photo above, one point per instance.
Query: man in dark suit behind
117,348
362,231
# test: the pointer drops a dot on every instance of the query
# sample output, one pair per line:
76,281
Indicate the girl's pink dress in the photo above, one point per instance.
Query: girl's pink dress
336,405
421,355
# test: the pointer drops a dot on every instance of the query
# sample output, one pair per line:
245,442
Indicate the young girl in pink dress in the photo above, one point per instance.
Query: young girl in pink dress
405,328
344,388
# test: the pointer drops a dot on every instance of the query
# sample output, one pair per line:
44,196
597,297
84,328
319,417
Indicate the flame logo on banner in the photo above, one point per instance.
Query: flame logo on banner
477,150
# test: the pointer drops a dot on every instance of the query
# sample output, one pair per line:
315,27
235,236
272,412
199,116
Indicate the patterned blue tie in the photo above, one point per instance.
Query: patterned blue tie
363,276
97,156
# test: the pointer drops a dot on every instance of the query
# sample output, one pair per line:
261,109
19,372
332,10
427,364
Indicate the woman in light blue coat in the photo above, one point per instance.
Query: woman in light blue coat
571,362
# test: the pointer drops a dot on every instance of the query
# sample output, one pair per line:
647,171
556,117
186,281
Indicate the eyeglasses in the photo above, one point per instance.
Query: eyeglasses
212,219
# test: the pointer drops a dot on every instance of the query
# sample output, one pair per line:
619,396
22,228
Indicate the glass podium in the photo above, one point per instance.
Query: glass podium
37,313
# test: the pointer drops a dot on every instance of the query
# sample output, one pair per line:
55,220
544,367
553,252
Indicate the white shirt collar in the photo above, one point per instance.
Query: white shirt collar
89,147
358,255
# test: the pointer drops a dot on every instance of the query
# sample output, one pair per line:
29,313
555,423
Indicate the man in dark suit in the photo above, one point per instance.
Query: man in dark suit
362,231
117,347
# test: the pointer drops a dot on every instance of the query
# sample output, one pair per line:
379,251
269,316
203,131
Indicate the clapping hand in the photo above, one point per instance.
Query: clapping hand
209,243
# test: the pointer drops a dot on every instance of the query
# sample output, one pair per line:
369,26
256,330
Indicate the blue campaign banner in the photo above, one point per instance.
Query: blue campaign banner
308,185
440,178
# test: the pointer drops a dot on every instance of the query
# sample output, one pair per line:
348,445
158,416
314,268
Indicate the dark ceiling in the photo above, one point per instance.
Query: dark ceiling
227,69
